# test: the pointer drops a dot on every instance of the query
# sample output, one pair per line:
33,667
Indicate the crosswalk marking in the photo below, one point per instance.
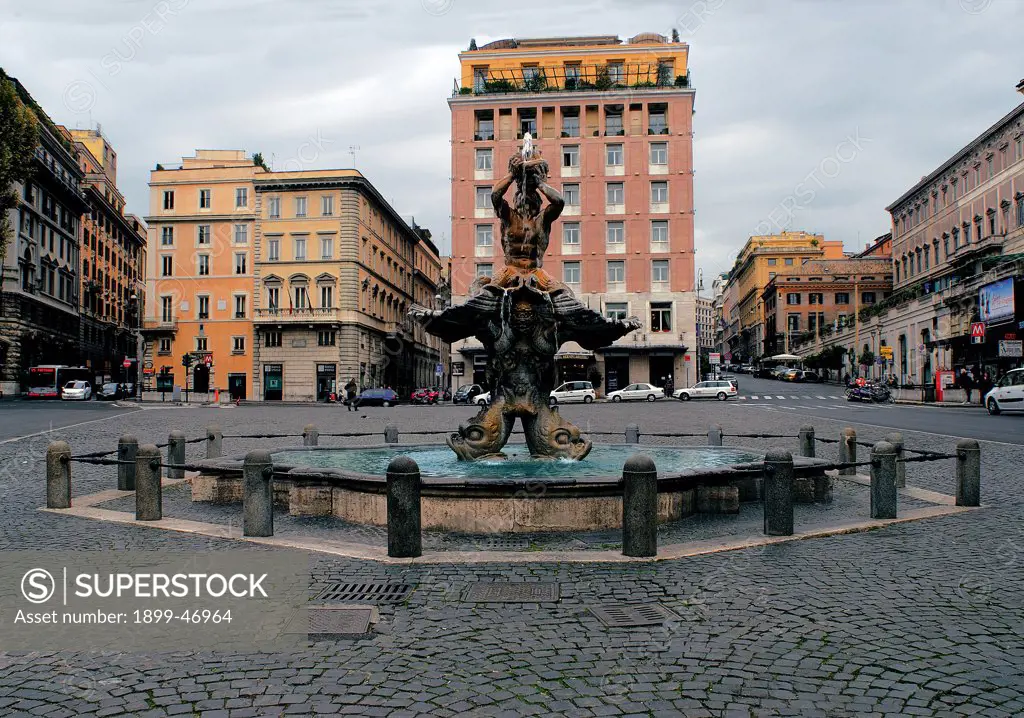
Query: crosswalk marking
782,397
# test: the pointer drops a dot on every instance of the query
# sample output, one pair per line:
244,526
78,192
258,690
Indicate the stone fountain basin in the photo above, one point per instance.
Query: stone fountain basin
509,505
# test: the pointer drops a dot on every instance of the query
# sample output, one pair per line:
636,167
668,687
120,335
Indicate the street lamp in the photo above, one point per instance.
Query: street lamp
135,311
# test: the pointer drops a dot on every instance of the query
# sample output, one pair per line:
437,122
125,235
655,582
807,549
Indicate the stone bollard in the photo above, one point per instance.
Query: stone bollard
715,435
639,506
778,493
310,435
258,494
848,451
632,433
883,481
391,434
896,439
405,538
807,441
127,448
176,454
58,475
148,488
214,442
968,473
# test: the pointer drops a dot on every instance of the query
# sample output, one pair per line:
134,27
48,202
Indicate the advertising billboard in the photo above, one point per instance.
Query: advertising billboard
995,301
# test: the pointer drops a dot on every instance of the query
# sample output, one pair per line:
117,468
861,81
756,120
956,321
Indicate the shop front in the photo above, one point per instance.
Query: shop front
326,381
273,382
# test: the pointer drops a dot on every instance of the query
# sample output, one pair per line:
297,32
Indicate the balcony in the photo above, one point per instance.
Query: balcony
575,78
162,325
293,315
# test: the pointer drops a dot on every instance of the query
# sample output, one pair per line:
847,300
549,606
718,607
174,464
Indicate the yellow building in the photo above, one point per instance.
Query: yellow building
761,258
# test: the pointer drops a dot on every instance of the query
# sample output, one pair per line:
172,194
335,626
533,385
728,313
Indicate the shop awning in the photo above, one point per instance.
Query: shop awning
572,350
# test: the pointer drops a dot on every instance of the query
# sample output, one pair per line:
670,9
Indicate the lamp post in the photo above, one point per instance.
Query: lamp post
136,316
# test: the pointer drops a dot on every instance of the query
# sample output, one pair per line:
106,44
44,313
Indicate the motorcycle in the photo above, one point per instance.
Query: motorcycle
870,394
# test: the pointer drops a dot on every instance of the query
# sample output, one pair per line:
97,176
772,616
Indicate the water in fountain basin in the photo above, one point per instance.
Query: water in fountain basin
603,461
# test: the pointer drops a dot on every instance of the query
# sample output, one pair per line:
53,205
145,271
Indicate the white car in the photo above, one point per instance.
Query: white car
1008,394
483,399
76,391
720,390
573,391
637,392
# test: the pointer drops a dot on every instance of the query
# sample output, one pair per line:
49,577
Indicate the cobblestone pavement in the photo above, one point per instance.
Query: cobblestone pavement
923,618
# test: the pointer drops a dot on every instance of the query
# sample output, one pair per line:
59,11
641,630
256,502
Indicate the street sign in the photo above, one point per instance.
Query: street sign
728,356
208,359
1011,348
686,358
977,332
715,358
879,360
439,370
126,364
886,352
148,364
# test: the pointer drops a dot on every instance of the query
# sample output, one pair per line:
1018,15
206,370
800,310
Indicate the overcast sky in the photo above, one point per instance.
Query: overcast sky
811,114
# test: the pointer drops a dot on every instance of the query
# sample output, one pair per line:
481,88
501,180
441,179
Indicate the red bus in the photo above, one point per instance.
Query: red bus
45,382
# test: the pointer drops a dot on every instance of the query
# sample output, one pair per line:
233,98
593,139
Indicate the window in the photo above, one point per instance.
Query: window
326,247
571,123
867,297
613,124
240,262
273,298
202,344
484,126
327,205
659,192
300,248
485,270
615,73
274,207
272,339
571,195
659,271
935,245
956,240
203,235
479,79
1020,211
842,298
571,233
789,261
772,261
659,233
613,155
483,197
202,307
571,156
616,272
967,233
204,199
661,316
945,245
657,125
484,240
326,338
616,233
168,199
300,206
1018,148
615,193
240,307
326,296
242,197
815,298
273,250
203,264
238,345
241,234
793,322
165,346
166,310
659,153
989,167
484,160
571,272
616,310
793,298
166,266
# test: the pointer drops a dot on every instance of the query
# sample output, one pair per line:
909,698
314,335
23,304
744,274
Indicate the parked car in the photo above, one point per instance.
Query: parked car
376,397
466,393
811,377
745,369
637,392
483,399
765,372
794,375
1008,394
720,390
425,395
76,391
729,378
573,391
780,372
113,390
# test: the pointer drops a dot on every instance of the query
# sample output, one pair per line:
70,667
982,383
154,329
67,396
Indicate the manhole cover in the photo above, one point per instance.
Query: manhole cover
513,592
627,615
365,592
331,621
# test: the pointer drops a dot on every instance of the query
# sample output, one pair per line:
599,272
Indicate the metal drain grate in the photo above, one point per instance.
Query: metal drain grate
628,615
501,543
366,592
513,592
331,621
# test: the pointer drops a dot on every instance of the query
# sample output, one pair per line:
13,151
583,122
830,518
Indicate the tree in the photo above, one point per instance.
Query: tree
257,159
867,358
17,143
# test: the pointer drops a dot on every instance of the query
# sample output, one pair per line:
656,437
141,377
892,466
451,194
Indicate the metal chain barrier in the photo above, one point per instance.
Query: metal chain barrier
931,456
823,440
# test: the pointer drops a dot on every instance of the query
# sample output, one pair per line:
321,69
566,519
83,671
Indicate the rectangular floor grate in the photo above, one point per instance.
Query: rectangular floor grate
331,621
366,592
629,615
521,592
501,543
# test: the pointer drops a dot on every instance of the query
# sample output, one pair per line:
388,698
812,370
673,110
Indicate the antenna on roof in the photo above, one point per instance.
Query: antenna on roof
352,149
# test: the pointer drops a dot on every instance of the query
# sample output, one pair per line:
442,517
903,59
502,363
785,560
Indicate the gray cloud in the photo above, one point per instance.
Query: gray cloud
779,87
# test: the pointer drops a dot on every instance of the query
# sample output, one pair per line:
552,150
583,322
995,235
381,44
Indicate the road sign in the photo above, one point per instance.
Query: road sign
687,358
977,332
879,361
208,359
439,370
728,356
885,351
1011,348
715,358
126,364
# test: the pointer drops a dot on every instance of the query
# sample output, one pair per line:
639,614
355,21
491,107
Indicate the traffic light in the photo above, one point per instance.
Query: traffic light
186,360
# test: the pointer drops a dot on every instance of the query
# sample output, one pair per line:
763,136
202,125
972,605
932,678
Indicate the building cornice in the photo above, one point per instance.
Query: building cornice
579,96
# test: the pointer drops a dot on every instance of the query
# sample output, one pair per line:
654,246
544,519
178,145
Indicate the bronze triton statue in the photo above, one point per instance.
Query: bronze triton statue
522,316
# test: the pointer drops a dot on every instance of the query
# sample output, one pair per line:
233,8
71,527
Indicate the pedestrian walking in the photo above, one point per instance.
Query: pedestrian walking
350,394
967,384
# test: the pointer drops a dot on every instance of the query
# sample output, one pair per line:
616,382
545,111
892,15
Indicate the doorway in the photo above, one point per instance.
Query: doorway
201,379
616,373
661,367
326,379
273,382
236,387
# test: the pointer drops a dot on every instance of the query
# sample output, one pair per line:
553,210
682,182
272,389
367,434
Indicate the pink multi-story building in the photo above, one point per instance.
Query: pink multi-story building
613,119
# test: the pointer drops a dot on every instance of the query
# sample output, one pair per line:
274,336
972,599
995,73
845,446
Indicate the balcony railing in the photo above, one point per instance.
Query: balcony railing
579,78
294,314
